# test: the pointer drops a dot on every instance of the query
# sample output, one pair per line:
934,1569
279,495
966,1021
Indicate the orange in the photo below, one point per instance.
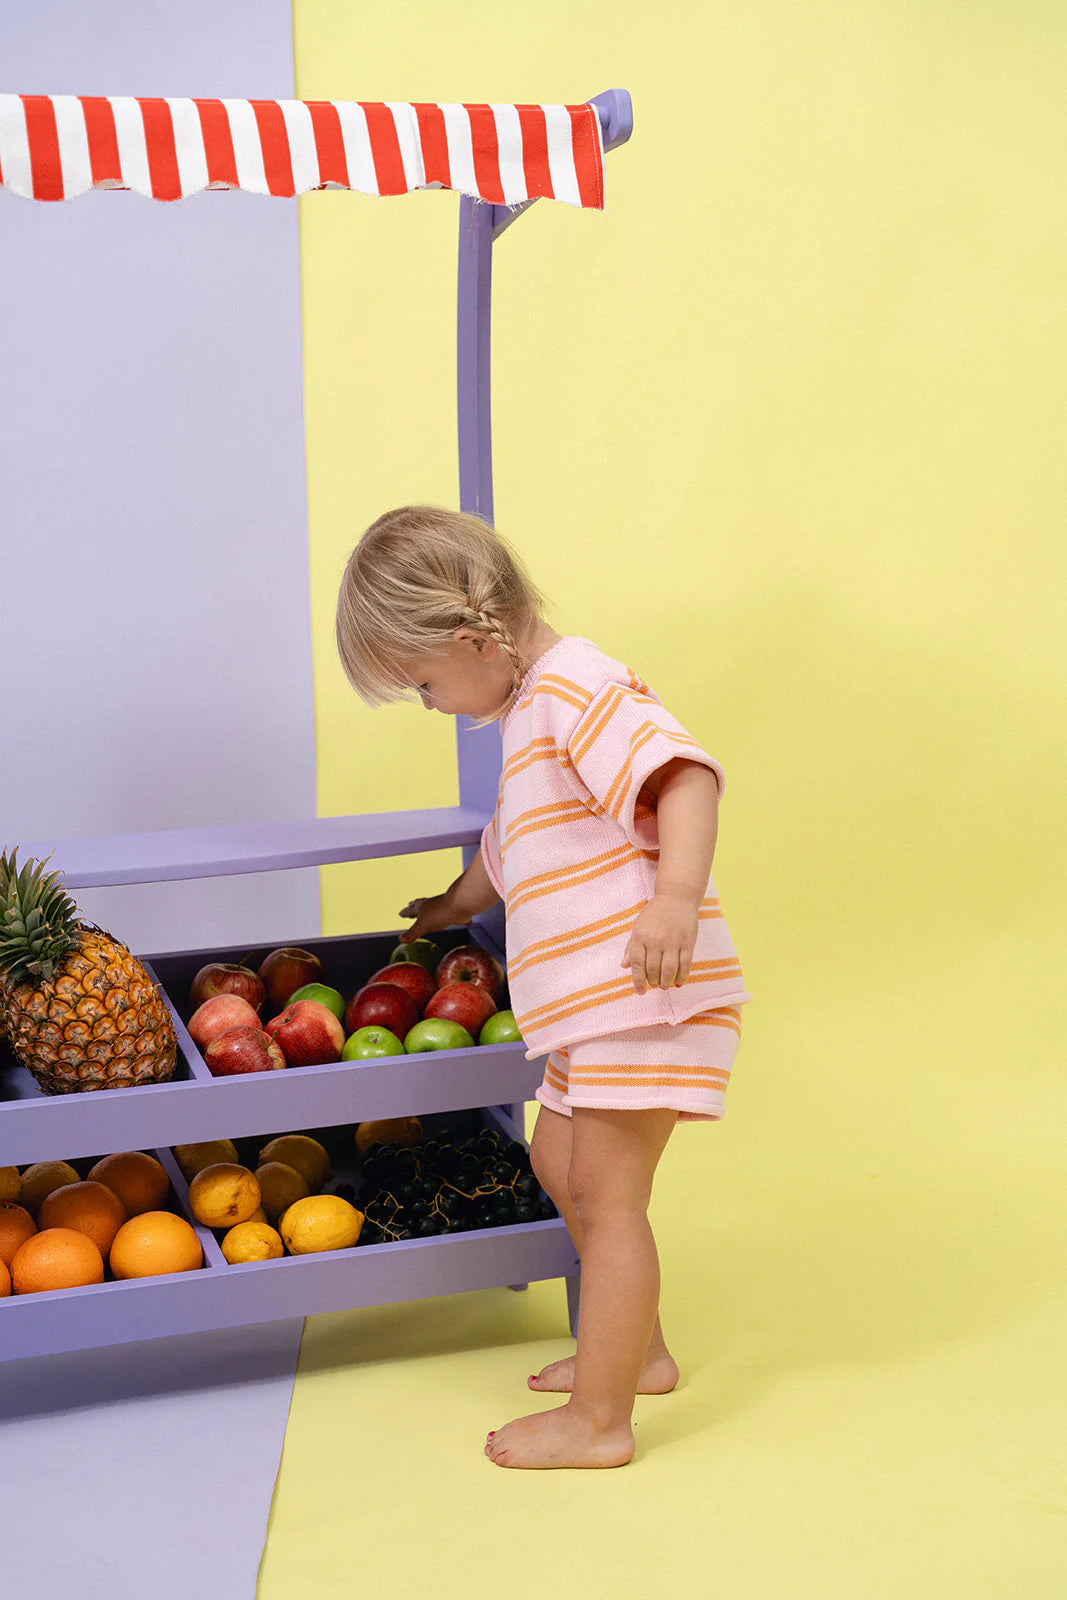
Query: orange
138,1180
224,1194
56,1258
155,1242
90,1208
40,1179
5,1280
16,1226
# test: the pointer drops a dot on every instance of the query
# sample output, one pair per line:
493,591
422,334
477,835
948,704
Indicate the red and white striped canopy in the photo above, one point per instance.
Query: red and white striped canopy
53,147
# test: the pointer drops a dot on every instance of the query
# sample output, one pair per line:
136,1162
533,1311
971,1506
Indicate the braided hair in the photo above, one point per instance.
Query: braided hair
417,574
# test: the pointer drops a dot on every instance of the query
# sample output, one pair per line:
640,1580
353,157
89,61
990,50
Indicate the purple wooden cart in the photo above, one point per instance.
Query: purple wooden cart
501,159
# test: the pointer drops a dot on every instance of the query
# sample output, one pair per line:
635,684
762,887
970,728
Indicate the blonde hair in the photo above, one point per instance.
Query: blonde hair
417,574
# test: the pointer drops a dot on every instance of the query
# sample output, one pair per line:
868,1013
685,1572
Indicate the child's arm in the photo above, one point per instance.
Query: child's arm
470,893
661,943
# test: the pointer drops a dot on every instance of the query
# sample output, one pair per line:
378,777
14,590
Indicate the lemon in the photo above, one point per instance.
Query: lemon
193,1158
252,1241
224,1194
279,1187
38,1181
257,1216
301,1151
10,1183
320,1222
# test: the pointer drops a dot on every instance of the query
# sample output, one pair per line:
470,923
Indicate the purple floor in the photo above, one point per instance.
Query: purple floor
146,1468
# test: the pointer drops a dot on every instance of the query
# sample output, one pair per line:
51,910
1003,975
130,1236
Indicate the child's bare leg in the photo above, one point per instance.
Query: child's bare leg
613,1162
550,1157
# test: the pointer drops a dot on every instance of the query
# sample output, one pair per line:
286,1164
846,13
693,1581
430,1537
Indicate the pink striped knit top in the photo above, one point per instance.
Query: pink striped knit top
572,849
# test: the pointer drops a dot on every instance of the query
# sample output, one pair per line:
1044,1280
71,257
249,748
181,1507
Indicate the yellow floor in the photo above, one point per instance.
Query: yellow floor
863,1284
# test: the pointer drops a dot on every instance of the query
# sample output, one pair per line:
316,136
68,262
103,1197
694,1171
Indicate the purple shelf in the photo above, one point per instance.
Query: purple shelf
294,1286
66,1127
218,1295
95,862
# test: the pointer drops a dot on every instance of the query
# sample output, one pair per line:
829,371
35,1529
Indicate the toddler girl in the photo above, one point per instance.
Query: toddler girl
621,967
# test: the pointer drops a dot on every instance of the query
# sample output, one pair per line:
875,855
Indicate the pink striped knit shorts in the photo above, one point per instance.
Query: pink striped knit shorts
682,1066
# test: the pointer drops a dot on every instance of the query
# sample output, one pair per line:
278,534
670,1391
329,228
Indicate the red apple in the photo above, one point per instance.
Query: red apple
217,1015
466,1003
224,977
470,964
243,1050
309,1034
382,1005
288,969
408,975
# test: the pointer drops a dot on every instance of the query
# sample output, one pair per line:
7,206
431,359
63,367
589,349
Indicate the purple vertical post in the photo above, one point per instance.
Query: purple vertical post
477,749
474,316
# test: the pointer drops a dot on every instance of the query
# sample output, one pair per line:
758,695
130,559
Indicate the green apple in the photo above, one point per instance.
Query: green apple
436,1033
500,1029
371,1041
323,994
424,951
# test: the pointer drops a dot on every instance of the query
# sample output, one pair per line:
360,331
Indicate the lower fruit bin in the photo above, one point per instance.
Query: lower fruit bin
219,1294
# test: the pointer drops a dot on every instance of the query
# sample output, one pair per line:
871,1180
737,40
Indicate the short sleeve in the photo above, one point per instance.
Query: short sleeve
490,848
620,739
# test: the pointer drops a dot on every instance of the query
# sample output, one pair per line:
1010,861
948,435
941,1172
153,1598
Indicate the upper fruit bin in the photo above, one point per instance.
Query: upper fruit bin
193,1105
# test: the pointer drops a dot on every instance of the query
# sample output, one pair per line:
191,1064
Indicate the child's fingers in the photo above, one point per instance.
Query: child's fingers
668,970
635,952
683,968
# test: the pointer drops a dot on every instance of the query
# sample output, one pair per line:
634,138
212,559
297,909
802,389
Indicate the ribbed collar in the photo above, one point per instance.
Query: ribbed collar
532,674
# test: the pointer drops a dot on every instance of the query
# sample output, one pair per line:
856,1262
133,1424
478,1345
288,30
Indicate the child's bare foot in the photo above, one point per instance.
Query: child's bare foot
658,1376
561,1438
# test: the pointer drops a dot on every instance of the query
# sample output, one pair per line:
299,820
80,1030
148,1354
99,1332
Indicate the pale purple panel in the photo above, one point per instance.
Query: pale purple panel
155,652
150,1416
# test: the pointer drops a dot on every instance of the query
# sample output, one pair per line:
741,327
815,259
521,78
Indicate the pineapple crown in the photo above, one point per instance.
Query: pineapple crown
39,921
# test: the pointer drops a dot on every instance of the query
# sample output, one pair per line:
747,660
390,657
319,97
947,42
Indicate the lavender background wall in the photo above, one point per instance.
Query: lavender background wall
155,656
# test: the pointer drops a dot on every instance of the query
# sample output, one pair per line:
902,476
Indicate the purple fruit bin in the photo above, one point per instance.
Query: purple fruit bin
485,1086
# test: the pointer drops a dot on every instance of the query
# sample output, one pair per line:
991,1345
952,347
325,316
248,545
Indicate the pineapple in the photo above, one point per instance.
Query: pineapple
79,1010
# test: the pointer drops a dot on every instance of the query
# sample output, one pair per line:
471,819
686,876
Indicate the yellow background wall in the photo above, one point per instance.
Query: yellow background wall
784,430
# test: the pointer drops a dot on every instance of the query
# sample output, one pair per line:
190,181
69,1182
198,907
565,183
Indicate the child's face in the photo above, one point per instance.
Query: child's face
472,678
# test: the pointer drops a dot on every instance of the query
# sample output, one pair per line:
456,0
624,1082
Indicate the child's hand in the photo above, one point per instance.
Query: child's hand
431,915
660,948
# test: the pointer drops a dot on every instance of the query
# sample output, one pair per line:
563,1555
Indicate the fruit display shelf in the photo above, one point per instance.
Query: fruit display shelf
194,1106
219,1295
490,1081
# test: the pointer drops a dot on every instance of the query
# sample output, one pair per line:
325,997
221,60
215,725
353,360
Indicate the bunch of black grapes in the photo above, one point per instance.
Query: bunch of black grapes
415,1191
